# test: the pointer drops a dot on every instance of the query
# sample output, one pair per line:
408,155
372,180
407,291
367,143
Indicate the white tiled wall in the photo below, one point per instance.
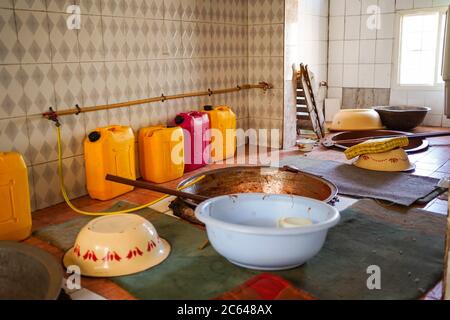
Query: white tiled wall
363,58
306,39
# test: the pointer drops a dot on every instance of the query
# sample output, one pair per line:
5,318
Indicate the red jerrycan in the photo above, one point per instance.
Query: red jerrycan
196,127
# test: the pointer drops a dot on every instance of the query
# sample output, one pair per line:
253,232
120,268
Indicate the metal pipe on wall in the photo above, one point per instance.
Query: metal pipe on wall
52,115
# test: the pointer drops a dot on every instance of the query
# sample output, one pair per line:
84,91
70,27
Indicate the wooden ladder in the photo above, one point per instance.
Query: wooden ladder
307,110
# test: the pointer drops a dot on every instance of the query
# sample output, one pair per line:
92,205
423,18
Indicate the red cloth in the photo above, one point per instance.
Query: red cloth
266,287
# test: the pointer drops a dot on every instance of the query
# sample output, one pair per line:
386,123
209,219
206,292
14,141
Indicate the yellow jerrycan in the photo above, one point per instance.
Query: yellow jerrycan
161,153
223,132
109,150
15,215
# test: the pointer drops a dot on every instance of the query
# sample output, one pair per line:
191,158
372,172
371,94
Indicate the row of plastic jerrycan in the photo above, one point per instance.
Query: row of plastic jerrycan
165,153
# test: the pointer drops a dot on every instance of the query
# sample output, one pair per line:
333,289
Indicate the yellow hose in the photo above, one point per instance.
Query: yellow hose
98,214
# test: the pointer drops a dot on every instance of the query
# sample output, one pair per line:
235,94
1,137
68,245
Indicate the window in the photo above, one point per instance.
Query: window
421,48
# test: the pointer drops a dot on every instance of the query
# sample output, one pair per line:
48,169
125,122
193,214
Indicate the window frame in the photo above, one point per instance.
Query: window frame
437,86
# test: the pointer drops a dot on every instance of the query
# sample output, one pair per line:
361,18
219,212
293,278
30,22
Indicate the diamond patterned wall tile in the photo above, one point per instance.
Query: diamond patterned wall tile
155,78
93,84
46,185
67,79
218,40
202,10
259,40
259,104
117,74
188,10
73,132
173,9
120,117
259,68
135,9
173,81
10,49
278,8
33,34
59,5
155,39
138,117
193,40
172,44
137,85
31,188
190,39
276,99
156,113
75,177
89,6
147,115
30,4
155,9
14,137
90,40
259,11
11,92
116,8
277,40
276,74
63,42
175,107
126,51
217,11
115,32
243,41
97,119
191,78
136,38
39,92
43,143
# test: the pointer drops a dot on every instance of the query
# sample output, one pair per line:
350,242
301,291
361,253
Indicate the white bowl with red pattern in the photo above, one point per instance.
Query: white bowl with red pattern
117,245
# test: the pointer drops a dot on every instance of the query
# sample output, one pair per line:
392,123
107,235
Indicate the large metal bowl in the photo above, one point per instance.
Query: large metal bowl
268,180
28,273
402,117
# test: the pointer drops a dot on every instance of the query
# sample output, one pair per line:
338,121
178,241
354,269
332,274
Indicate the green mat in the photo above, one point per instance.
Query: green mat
409,249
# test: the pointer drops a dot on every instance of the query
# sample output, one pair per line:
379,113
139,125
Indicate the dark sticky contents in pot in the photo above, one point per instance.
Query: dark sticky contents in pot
237,180
252,181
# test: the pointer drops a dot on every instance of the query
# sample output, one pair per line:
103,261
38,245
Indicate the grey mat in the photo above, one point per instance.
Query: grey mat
408,247
400,188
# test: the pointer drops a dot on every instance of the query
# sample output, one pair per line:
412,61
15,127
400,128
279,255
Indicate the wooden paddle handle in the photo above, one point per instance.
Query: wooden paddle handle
156,188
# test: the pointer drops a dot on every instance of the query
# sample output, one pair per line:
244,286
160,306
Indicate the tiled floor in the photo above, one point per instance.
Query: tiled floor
435,162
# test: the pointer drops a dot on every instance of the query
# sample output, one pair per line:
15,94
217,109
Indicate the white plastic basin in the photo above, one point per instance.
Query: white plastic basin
244,228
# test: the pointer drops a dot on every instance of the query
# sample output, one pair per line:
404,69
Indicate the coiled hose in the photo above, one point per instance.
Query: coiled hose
98,214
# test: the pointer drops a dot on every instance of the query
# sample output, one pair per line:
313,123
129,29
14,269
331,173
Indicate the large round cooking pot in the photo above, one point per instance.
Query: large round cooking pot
268,180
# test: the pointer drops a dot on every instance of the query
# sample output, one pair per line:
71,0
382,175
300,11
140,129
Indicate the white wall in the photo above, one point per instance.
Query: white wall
306,41
363,58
